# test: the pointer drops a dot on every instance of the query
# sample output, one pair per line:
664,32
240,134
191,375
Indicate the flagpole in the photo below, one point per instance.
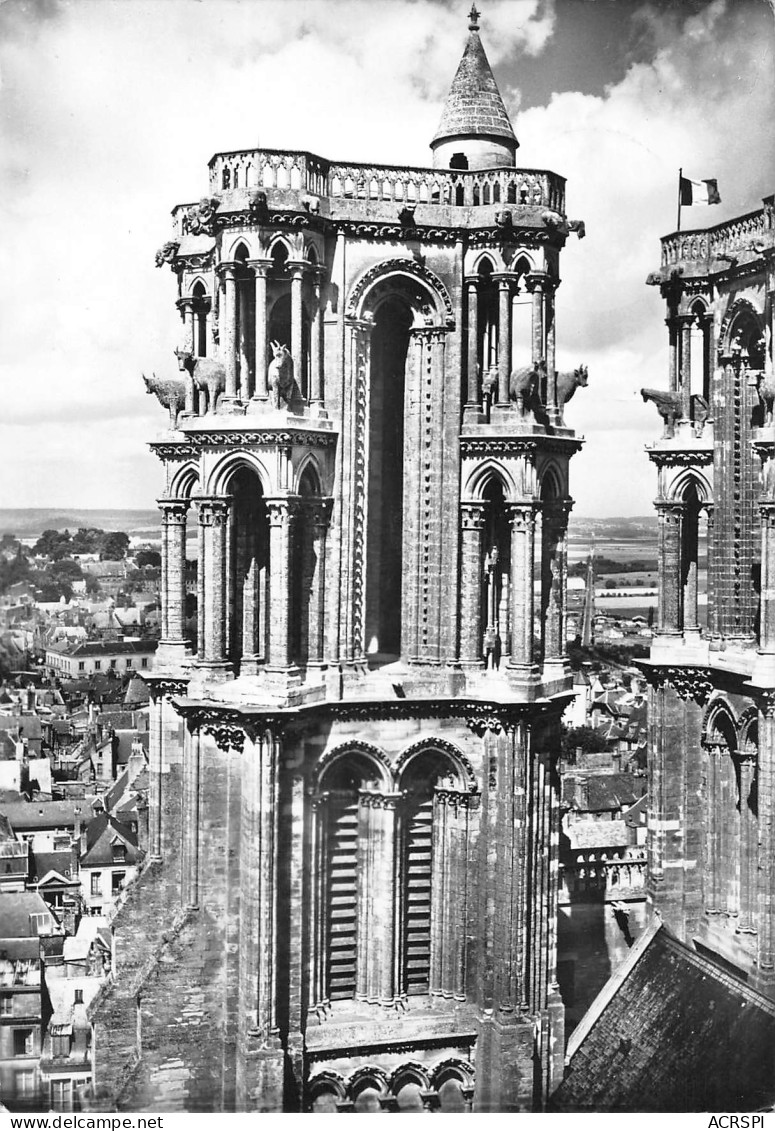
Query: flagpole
680,174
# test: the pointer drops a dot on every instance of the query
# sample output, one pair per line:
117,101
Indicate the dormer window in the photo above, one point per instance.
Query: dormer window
119,853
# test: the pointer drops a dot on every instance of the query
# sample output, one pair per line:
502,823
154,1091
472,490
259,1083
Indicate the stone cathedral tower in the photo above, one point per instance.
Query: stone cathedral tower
712,806
350,901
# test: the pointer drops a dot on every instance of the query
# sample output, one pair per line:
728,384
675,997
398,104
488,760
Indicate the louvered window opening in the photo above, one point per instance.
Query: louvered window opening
418,861
342,895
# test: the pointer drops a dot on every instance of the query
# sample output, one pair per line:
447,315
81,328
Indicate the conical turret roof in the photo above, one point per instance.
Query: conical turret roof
474,106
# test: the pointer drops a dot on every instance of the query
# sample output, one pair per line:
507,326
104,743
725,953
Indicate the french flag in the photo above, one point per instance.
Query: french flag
699,192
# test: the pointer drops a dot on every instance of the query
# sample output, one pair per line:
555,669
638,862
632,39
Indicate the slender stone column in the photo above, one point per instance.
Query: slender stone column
504,337
554,533
191,818
669,567
280,567
535,286
766,873
319,517
711,877
228,329
472,330
202,518
767,617
472,520
522,549
712,614
673,338
260,270
186,308
173,597
318,342
686,366
258,919
689,565
749,840
155,738
550,333
213,517
297,337
244,387
708,351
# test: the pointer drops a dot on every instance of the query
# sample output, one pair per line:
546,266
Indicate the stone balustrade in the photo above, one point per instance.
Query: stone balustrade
305,172
728,239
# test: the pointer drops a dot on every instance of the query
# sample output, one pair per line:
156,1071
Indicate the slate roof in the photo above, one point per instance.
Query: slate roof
671,1032
42,864
29,815
598,793
100,835
15,911
474,106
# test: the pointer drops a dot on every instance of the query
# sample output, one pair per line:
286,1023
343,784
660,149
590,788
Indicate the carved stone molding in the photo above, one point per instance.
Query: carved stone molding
518,446
175,452
239,439
401,266
160,686
472,516
690,457
688,683
167,253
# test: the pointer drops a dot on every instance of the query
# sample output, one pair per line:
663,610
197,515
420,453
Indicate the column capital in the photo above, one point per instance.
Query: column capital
522,516
297,267
472,515
557,511
537,281
505,279
259,266
472,281
317,509
228,269
173,510
186,302
668,510
281,509
214,510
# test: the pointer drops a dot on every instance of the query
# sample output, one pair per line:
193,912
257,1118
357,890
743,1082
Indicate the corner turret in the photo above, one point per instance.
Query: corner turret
475,131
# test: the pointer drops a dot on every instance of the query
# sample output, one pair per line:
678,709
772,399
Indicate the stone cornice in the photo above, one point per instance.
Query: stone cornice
160,684
518,445
689,683
237,438
174,449
685,457
229,723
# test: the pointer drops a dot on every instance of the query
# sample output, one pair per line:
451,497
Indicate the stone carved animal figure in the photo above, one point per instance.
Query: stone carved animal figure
170,392
279,375
525,386
207,380
764,383
567,383
668,406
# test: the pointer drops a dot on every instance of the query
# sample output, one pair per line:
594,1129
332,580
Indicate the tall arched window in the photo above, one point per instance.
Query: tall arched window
496,574
487,337
201,309
248,589
341,851
433,877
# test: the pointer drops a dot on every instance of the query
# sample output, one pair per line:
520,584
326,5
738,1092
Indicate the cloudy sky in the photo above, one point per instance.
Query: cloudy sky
110,110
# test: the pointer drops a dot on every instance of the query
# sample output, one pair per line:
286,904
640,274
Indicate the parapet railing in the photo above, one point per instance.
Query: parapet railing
306,172
714,243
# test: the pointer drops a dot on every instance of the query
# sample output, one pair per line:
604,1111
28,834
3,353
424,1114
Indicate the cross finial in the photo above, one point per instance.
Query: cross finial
473,19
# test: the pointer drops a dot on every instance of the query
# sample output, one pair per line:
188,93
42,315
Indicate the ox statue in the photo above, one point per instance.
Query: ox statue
279,376
668,406
207,380
170,392
525,386
567,383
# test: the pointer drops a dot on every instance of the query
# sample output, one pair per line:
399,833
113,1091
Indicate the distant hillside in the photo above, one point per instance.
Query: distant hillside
30,523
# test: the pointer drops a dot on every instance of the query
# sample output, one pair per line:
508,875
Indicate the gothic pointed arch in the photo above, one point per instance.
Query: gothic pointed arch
459,762
482,475
185,481
423,291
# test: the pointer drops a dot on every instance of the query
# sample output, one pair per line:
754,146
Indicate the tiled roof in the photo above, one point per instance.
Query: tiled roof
671,1032
474,105
15,911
